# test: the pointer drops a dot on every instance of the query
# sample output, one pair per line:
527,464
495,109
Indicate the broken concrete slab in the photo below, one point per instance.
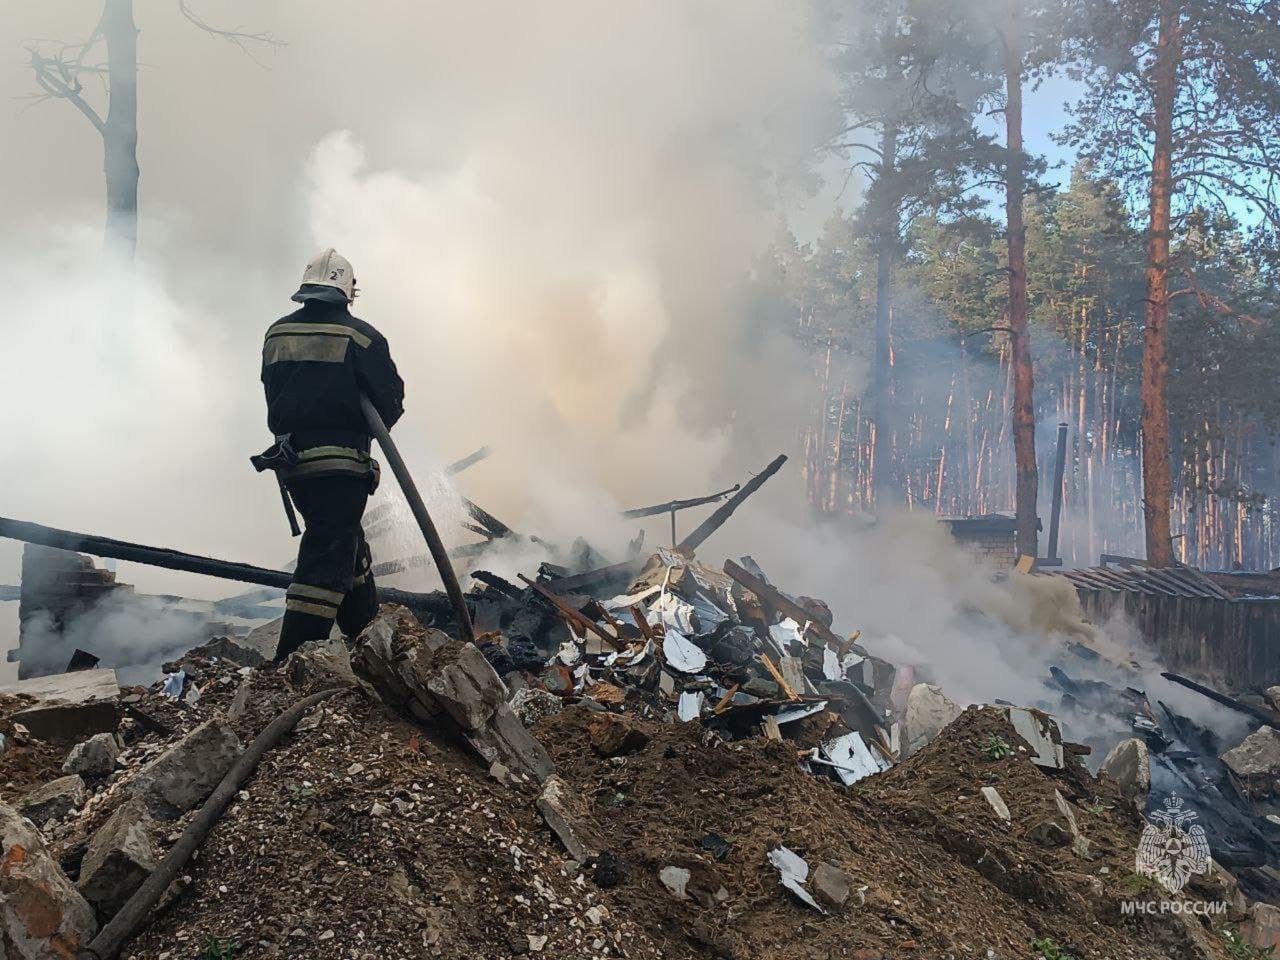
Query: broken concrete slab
95,757
69,706
831,885
118,860
240,700
80,686
263,640
1255,762
186,773
1079,843
1129,764
475,697
42,916
613,735
929,710
555,805
387,656
424,673
1041,733
1273,697
53,800
321,664
992,796
61,722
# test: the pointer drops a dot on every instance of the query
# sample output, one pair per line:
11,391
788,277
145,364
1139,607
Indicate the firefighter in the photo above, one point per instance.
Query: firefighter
316,362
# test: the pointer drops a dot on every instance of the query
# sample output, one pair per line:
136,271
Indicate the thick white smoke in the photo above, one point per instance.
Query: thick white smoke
553,210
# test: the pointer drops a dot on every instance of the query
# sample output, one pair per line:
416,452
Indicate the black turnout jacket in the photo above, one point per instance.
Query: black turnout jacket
315,364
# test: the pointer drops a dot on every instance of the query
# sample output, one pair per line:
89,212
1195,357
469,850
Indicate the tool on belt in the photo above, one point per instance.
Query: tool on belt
278,458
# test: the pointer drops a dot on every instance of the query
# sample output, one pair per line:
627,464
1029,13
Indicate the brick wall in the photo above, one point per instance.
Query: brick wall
991,538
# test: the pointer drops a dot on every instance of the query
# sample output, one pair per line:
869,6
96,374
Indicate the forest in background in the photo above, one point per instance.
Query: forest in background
907,306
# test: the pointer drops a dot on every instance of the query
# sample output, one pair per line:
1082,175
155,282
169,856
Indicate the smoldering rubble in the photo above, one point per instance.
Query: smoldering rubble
655,758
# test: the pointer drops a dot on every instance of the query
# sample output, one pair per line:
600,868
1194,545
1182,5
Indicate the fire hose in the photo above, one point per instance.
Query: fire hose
438,552
131,916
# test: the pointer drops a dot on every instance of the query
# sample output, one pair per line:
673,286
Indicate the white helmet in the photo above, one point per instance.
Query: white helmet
328,277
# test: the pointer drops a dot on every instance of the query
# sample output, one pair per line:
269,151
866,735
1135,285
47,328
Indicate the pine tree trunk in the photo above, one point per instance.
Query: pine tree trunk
1157,469
1027,481
881,402
120,138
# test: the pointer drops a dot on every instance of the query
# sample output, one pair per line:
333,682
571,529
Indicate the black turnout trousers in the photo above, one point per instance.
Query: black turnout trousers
332,581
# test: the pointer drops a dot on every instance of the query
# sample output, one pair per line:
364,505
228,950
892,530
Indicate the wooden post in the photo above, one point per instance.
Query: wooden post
722,513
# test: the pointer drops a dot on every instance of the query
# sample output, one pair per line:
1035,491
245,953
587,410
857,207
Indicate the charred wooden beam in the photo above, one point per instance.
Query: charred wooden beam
1269,717
472,459
714,522
494,527
672,506
580,581
168,559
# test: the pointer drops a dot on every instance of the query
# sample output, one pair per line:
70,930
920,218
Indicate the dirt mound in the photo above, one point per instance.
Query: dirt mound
938,873
363,836
24,761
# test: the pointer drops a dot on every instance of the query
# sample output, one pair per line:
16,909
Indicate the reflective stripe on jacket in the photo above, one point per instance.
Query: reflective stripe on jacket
316,362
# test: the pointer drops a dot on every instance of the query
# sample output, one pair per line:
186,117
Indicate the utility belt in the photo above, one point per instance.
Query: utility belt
321,460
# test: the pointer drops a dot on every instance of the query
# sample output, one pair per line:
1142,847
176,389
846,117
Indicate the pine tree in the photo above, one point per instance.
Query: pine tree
1183,106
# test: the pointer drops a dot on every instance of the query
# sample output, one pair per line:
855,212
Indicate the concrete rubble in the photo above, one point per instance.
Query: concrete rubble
831,885
54,800
95,757
185,774
1129,764
928,711
1256,762
119,858
427,673
554,803
42,916
68,707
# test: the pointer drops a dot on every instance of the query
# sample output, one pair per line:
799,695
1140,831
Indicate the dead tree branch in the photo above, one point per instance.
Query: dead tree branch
241,38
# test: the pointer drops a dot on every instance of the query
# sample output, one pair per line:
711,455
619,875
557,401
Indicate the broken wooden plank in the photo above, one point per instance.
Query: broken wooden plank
847,645
497,584
492,525
781,604
722,513
578,581
673,506
642,621
138,553
724,701
787,690
455,468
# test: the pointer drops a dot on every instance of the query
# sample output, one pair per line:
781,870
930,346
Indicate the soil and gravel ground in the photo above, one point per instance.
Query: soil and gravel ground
366,837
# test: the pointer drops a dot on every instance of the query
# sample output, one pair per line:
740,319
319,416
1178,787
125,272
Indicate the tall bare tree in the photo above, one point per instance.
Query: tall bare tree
61,71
